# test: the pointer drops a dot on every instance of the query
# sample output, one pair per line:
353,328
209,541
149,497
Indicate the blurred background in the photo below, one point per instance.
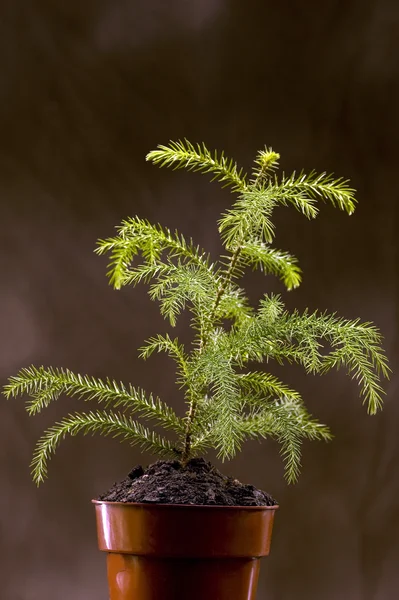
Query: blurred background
87,89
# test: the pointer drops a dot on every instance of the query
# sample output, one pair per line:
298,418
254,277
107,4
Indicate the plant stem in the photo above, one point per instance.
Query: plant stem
187,441
226,280
193,403
222,288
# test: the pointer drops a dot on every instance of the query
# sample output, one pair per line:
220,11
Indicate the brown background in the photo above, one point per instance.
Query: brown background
87,88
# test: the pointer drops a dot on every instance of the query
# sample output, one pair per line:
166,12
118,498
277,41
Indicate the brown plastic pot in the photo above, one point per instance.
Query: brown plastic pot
183,552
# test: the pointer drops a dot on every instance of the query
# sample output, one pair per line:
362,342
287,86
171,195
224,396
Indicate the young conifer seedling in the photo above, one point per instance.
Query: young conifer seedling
226,402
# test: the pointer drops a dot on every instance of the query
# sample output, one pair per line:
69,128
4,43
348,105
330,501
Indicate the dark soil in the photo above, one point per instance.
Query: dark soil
168,482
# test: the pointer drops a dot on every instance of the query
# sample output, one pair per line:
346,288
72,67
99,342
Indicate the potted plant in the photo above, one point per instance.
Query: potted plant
180,529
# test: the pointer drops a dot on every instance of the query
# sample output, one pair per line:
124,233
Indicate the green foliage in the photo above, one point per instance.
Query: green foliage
46,385
137,236
104,423
270,260
289,423
183,154
303,191
226,401
248,219
266,161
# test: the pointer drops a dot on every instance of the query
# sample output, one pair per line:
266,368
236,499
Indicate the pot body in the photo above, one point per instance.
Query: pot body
183,552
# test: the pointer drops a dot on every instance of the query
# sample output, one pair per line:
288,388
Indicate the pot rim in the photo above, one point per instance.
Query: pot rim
190,506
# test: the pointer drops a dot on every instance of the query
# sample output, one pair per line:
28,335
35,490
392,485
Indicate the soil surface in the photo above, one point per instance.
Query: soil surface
168,482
